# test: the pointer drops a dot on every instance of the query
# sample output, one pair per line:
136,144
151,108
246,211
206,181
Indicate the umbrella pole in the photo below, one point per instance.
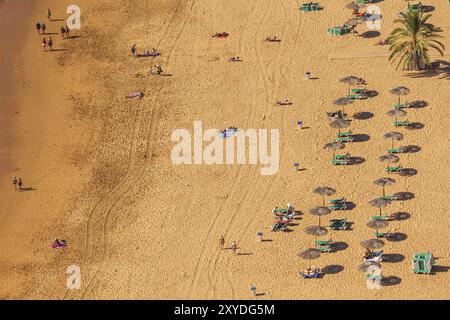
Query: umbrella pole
392,143
323,197
380,212
384,192
319,221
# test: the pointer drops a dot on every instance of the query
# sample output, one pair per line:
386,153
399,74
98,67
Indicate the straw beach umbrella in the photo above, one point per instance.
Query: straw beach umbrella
379,203
394,136
390,158
377,225
339,124
309,254
334,146
324,191
396,113
399,91
383,182
320,211
316,231
353,22
372,244
350,80
355,5
342,102
365,266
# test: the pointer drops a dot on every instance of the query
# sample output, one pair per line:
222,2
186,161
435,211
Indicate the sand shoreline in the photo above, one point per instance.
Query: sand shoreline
10,62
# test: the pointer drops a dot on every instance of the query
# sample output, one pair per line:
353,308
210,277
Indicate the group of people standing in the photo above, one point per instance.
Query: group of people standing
41,29
17,184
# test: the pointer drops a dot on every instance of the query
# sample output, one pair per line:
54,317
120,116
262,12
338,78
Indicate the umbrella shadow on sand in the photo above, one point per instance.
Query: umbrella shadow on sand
363,115
390,281
332,269
411,149
360,137
396,237
370,34
355,160
403,196
415,126
339,246
408,172
393,257
401,216
418,104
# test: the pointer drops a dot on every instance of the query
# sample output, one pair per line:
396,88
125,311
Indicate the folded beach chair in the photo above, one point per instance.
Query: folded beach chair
339,162
381,234
423,262
336,201
344,134
338,224
345,139
398,123
395,150
280,226
324,245
342,156
397,169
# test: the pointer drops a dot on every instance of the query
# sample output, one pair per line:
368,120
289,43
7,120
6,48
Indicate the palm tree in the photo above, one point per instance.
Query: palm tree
411,42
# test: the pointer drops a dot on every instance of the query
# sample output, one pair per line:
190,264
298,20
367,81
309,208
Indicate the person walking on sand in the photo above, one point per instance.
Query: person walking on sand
49,14
14,181
50,43
134,50
63,32
222,241
19,182
234,247
44,44
38,27
43,27
67,31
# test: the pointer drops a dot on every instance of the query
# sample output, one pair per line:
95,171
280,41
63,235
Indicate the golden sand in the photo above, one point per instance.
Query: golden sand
140,227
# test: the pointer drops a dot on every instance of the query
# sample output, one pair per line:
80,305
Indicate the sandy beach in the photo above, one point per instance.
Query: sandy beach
98,172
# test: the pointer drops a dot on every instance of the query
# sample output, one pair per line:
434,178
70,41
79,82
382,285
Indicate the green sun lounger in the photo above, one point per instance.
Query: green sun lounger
338,224
335,201
397,169
392,197
395,150
381,234
401,106
423,262
356,96
342,156
324,245
344,134
338,206
359,90
344,139
339,162
379,218
398,123
339,31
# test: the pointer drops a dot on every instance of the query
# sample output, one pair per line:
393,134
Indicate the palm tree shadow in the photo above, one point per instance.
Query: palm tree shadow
439,68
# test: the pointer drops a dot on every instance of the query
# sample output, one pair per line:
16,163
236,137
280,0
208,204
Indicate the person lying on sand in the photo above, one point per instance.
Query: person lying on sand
368,254
382,42
220,35
284,102
272,39
235,59
57,244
